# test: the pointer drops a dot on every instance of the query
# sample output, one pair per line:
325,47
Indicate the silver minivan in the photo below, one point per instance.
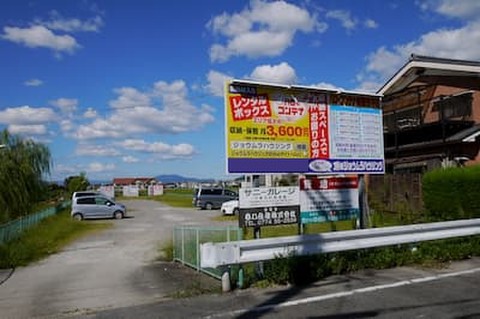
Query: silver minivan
212,198
97,207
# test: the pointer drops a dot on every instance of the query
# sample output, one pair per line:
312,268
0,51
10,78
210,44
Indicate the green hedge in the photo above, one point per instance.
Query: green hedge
452,193
301,270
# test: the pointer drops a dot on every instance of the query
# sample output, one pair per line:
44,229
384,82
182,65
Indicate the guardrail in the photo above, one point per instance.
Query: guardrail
245,251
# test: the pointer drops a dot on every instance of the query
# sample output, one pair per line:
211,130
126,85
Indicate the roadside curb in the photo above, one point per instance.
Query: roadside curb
5,274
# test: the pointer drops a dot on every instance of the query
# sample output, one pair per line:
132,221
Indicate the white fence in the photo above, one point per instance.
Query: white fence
245,251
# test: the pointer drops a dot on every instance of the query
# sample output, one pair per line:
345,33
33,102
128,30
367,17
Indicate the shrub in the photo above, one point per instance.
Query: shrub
452,193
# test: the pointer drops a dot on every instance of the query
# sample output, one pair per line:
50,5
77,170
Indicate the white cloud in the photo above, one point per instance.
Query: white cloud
130,98
460,43
67,125
33,82
90,113
62,169
38,36
280,73
96,150
371,24
57,22
65,105
130,159
162,150
216,82
344,17
263,29
466,9
25,115
96,167
165,108
32,129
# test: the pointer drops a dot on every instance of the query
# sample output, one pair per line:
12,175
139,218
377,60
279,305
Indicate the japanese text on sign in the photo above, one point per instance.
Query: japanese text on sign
269,196
328,199
269,216
271,128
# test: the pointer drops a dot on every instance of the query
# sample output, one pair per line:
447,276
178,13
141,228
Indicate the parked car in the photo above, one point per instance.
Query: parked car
230,207
87,193
212,198
97,207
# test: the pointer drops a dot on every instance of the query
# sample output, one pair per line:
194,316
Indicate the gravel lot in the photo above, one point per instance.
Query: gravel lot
114,268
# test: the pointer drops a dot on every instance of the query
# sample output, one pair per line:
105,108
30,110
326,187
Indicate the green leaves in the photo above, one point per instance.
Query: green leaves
23,165
76,183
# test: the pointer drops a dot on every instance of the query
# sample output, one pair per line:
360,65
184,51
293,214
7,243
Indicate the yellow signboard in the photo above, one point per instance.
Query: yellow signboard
279,129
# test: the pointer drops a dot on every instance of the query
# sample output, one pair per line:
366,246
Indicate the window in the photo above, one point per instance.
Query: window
459,105
101,201
214,191
86,201
402,119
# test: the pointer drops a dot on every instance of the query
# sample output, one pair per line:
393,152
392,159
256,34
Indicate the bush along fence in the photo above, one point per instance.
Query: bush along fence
15,228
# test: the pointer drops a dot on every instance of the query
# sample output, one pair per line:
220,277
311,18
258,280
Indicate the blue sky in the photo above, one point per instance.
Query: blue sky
135,88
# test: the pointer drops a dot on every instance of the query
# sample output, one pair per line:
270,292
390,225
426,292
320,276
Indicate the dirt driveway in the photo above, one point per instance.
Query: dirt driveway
111,269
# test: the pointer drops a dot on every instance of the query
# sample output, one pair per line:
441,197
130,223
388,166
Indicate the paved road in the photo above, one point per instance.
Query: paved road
111,269
113,275
453,292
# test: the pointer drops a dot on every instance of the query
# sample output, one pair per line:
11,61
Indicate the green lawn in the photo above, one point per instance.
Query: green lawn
177,198
48,237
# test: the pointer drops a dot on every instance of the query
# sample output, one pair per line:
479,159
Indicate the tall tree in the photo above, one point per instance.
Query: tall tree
23,166
76,183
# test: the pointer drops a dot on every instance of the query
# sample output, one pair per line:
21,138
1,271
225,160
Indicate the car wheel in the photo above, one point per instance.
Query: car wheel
236,211
77,216
208,206
118,215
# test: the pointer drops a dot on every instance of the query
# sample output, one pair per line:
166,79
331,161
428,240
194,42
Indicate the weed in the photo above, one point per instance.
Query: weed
165,251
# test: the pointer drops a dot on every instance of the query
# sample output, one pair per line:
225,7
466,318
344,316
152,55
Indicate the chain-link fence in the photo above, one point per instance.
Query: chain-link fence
187,240
15,228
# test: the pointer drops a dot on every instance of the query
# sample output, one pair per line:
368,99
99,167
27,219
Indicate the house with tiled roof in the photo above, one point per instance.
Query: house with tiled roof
141,182
431,115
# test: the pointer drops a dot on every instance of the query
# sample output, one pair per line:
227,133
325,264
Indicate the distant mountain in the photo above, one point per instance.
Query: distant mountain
173,178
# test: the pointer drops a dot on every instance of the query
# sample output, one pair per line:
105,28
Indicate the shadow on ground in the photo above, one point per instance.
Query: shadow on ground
174,280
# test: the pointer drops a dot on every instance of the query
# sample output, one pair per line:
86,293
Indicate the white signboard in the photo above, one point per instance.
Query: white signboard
155,190
130,191
328,199
107,190
269,196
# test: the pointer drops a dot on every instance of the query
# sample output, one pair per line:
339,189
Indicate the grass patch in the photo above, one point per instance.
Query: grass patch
165,251
195,288
176,199
48,237
225,218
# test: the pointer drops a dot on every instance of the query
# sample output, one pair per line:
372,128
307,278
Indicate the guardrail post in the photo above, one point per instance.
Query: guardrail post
226,286
240,282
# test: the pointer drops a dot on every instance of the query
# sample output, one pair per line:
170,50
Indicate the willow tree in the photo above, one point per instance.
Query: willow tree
23,166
